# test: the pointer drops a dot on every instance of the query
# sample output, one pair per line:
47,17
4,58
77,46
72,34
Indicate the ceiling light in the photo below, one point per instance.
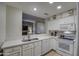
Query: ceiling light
50,2
59,7
35,9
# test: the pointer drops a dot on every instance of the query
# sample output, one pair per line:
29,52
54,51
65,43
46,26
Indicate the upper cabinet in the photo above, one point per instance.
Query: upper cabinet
13,23
62,21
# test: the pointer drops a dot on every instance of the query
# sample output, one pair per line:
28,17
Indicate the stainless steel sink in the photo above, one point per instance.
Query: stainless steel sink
25,40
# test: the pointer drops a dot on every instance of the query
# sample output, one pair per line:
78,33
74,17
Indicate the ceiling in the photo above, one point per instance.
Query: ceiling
42,7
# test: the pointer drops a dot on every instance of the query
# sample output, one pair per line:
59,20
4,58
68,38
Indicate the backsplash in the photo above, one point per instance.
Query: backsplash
35,36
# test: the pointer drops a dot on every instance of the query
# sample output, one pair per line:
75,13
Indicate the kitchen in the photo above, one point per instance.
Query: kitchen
38,29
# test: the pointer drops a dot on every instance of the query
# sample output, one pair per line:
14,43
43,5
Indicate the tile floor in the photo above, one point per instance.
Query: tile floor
52,53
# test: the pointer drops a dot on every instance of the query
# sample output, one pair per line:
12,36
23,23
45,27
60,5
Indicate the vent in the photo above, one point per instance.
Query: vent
54,17
45,13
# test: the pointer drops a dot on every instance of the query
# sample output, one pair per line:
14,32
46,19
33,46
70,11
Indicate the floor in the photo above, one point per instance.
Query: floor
52,53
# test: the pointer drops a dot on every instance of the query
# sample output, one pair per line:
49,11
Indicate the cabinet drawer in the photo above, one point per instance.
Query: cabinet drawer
8,50
37,43
18,48
6,54
12,50
28,46
28,52
16,54
12,54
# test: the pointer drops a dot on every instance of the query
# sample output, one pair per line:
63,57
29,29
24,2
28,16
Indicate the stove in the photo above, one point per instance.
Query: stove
66,43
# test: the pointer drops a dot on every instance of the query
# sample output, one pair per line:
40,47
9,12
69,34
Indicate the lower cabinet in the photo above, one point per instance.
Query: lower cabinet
53,43
28,52
37,48
45,46
32,49
13,51
48,45
15,54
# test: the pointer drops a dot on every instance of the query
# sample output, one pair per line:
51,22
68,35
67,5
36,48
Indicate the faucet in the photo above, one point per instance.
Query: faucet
28,37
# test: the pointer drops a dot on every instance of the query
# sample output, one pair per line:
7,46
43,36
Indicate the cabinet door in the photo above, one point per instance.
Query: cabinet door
51,43
28,52
37,51
48,45
44,46
7,51
13,51
15,54
37,48
54,44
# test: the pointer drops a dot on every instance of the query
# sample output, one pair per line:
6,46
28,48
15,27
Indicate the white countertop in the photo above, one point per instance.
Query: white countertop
12,43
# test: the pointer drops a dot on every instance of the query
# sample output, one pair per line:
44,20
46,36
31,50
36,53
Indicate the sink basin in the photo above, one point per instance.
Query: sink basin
29,39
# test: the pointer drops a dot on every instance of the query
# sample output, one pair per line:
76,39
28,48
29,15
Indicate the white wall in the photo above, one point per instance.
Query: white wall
13,23
2,22
77,34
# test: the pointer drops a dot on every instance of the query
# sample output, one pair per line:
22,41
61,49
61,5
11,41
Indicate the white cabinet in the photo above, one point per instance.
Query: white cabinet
37,48
27,50
13,51
45,46
48,45
32,49
53,43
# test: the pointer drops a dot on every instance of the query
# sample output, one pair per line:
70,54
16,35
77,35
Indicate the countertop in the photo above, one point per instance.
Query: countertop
12,43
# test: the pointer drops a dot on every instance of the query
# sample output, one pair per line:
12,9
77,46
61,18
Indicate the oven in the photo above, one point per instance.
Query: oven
66,39
66,46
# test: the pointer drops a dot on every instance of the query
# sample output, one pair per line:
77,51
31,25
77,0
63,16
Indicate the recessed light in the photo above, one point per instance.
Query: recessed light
59,7
35,9
50,2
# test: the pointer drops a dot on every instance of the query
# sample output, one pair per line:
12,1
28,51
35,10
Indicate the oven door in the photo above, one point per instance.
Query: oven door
65,46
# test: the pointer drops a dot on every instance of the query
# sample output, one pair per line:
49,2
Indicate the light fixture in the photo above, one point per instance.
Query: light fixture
35,9
59,7
50,2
